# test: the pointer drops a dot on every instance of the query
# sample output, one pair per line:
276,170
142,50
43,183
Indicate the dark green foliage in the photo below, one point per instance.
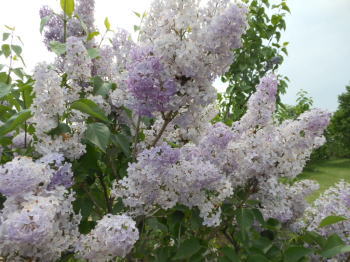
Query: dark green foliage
337,133
262,51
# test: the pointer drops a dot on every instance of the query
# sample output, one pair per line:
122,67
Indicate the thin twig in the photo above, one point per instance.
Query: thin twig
167,119
11,59
105,193
136,139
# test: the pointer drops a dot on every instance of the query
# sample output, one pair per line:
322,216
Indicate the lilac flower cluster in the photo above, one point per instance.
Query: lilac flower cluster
164,176
261,106
335,201
76,25
253,149
114,235
224,34
78,63
54,26
49,92
37,221
149,83
62,175
22,175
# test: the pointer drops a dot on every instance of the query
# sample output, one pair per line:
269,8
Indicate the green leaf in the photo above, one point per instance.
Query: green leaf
6,50
5,36
187,249
107,24
43,22
14,121
93,53
62,128
330,220
57,47
10,28
314,238
4,89
89,107
17,49
294,254
230,254
333,241
257,258
137,14
92,35
104,89
136,28
156,225
98,134
331,252
67,7
18,72
245,218
123,142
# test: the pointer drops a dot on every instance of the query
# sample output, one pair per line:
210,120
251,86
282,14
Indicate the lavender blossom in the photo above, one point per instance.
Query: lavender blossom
78,63
148,82
114,235
22,175
261,105
54,26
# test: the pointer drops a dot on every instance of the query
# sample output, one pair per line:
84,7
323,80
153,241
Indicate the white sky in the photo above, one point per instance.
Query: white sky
318,32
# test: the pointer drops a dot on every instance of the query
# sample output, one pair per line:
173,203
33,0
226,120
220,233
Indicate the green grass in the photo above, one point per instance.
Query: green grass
327,173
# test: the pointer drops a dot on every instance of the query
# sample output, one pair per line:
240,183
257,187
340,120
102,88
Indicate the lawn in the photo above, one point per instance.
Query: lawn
327,173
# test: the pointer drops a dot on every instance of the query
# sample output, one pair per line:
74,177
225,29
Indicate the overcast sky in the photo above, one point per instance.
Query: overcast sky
318,32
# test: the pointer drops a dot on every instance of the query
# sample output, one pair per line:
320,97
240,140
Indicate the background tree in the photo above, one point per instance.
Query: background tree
337,133
261,51
340,124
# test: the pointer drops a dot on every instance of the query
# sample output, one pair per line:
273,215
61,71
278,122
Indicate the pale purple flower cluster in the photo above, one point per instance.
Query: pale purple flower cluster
22,175
62,175
333,202
35,223
164,176
284,202
149,83
78,63
54,26
178,32
103,66
122,46
261,105
48,91
21,140
113,236
85,10
224,33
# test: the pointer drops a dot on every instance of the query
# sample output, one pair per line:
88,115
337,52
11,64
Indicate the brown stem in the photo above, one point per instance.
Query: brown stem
167,119
136,139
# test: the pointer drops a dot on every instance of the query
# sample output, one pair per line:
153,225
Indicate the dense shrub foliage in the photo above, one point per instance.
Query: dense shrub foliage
109,153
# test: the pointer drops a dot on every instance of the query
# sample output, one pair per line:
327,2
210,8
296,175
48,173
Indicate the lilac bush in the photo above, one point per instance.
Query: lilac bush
124,156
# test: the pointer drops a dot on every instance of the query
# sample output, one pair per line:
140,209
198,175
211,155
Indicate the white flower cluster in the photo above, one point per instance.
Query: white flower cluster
164,177
36,222
49,106
114,235
335,201
254,149
284,202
